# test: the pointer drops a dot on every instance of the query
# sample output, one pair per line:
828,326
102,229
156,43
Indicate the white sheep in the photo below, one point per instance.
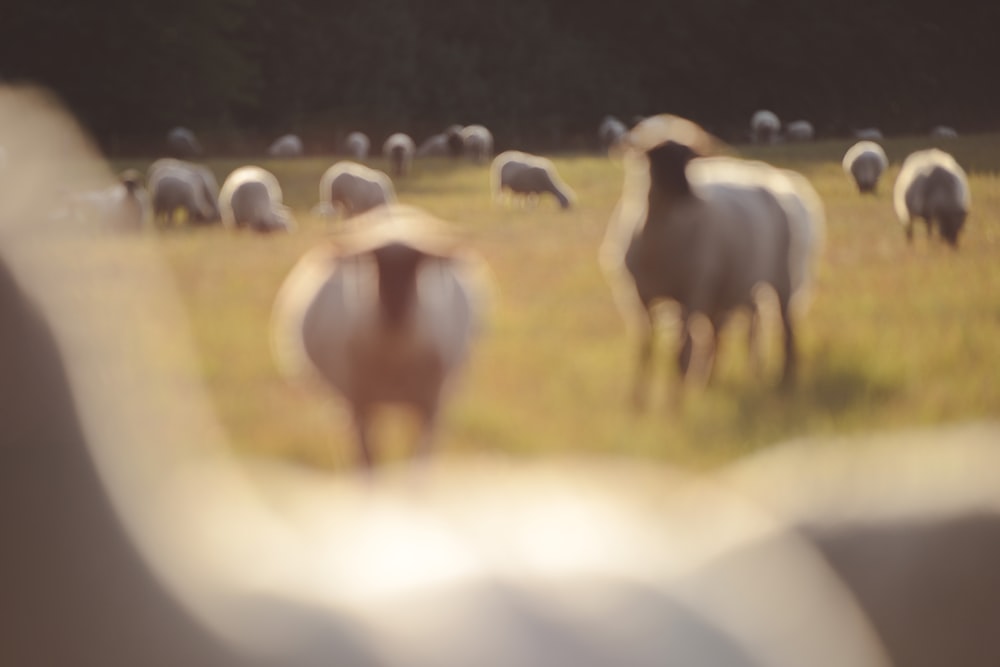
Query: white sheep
288,145
124,206
931,185
183,142
449,142
800,130
251,197
943,132
176,184
357,145
765,126
386,315
869,134
478,142
706,233
354,189
399,149
528,175
864,162
610,132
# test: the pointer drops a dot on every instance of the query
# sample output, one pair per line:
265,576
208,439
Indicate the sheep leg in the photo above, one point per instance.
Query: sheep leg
753,343
791,358
361,415
640,385
909,232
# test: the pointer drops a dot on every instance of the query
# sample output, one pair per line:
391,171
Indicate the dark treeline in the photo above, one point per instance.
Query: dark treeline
539,73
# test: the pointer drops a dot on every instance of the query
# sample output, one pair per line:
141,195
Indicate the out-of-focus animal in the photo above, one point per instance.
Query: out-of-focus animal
932,186
864,163
526,175
251,197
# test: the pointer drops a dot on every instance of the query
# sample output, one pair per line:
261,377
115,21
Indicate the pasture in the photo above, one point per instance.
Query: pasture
894,335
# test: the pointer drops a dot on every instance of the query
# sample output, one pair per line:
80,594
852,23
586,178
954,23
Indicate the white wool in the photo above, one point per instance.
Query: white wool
357,145
864,162
478,142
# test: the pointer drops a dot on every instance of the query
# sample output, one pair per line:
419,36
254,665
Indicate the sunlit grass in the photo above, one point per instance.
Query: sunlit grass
894,336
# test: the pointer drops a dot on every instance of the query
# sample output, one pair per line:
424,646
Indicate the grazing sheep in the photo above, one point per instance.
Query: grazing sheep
706,233
435,145
183,143
765,126
610,132
399,149
288,145
251,197
176,184
124,206
943,132
357,145
529,175
385,316
478,142
354,188
800,130
869,134
931,185
864,162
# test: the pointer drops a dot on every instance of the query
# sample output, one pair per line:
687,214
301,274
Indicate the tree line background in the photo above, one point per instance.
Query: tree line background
539,73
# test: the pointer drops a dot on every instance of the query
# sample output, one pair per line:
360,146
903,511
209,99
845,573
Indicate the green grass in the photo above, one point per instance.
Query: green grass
895,336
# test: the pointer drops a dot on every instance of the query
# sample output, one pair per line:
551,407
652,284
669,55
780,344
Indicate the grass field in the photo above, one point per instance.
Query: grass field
895,336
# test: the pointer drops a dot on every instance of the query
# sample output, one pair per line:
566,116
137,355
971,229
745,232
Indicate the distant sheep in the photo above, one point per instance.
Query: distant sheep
183,143
800,130
610,132
357,145
943,132
399,149
289,145
931,185
529,175
864,162
251,197
705,233
478,143
869,134
124,206
386,315
354,189
435,145
765,126
176,184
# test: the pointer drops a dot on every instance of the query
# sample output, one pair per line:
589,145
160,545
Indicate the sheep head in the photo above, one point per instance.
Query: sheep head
667,167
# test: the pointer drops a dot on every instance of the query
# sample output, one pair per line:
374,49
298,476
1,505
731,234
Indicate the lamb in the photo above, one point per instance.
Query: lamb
251,197
705,233
528,175
183,143
610,132
354,188
800,130
399,149
176,184
478,142
869,134
387,315
864,162
357,145
765,126
288,145
943,132
931,185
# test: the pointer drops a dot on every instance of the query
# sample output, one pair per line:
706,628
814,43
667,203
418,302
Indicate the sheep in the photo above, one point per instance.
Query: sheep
176,184
357,145
610,132
931,185
124,206
386,316
529,175
251,197
449,142
183,143
710,232
869,134
800,130
399,149
478,142
864,162
765,126
288,145
354,189
943,132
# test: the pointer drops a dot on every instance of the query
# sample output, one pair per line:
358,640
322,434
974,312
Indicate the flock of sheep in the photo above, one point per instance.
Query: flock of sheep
389,311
